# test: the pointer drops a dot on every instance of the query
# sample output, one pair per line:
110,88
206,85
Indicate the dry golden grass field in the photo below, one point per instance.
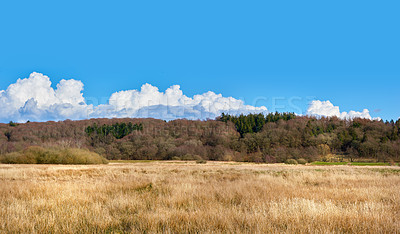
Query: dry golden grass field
185,197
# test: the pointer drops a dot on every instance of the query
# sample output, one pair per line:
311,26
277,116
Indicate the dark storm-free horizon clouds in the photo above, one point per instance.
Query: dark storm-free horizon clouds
34,99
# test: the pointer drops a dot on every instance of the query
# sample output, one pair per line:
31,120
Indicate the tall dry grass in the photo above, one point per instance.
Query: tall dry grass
190,198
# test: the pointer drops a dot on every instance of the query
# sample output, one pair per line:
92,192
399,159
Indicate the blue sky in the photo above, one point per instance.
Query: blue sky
266,53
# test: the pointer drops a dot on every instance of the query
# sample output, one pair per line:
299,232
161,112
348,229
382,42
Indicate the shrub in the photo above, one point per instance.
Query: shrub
189,157
392,162
291,161
201,161
302,161
17,158
334,160
39,155
176,158
81,156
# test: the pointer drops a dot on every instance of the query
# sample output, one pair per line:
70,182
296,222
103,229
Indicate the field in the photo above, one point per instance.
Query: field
176,197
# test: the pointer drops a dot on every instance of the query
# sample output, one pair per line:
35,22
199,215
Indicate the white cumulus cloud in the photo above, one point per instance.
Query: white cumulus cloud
327,109
171,104
34,99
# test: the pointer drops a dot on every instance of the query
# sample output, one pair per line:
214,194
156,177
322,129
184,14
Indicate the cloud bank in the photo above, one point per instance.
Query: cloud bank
34,99
327,109
171,104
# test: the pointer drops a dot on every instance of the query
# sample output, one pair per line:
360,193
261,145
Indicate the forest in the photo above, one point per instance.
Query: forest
271,138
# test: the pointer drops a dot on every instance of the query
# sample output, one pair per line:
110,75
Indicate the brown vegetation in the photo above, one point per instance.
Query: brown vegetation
182,197
252,138
39,155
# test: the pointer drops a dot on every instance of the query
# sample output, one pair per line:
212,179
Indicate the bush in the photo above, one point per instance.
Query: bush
17,158
39,155
201,161
176,158
187,157
302,161
190,157
291,161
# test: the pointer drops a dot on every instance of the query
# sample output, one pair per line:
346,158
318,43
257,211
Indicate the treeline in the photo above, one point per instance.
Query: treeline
117,131
253,123
327,139
275,137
